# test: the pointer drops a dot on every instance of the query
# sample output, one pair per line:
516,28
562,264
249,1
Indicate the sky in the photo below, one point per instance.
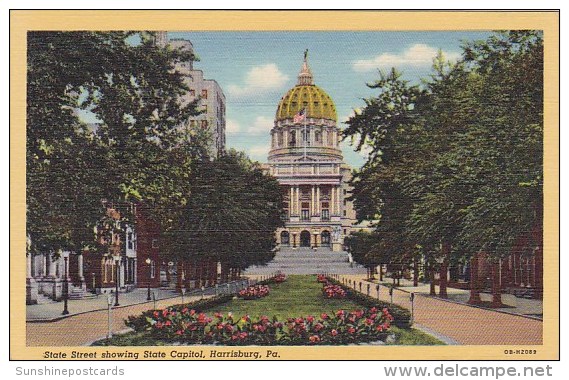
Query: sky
255,69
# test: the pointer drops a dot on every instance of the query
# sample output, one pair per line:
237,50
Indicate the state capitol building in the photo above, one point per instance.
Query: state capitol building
307,161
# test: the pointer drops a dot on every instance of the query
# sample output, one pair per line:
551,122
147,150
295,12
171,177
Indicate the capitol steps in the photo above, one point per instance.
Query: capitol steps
308,261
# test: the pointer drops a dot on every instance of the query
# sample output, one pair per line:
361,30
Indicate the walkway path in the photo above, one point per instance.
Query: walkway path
83,329
462,323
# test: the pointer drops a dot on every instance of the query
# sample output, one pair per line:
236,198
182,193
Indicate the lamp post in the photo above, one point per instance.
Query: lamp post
117,259
148,261
65,283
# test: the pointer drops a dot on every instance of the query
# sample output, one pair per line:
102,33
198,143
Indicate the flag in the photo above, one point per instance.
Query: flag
300,116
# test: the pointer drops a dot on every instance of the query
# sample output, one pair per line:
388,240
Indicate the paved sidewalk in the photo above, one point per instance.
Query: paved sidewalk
53,310
514,305
462,323
90,326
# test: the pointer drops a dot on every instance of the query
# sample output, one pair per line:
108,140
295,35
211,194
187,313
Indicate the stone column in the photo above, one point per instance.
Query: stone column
135,271
338,196
313,202
80,269
291,202
332,204
285,138
31,285
297,200
318,203
335,137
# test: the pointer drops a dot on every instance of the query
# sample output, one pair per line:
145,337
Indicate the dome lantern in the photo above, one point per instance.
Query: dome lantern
305,77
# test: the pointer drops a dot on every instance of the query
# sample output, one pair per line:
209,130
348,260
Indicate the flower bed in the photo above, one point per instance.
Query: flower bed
333,291
402,315
191,327
254,292
321,278
279,278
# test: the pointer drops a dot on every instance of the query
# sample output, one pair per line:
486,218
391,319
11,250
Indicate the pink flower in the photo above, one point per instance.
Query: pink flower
192,312
351,330
334,332
179,332
314,338
324,316
310,319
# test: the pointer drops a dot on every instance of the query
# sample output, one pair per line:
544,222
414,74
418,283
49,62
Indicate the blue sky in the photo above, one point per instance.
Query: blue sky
255,69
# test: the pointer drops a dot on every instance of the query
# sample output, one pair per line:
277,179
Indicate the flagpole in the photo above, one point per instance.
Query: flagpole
305,135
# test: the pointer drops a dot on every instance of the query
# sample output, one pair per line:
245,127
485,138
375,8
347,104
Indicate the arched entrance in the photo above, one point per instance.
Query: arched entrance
285,238
305,239
325,238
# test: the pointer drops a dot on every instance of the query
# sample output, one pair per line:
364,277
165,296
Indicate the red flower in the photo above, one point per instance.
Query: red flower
351,330
334,332
324,316
192,312
168,323
314,338
156,314
310,319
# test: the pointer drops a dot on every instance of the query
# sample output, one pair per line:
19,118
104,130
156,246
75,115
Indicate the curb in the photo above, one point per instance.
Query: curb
462,303
120,332
59,318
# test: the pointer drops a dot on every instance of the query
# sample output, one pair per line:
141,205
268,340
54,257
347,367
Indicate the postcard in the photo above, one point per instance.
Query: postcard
284,185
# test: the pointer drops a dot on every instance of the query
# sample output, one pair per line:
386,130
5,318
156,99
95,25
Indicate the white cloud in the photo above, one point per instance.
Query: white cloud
232,127
261,125
259,152
258,81
416,55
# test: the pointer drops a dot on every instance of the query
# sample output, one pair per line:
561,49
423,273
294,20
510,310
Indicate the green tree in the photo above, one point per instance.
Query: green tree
132,91
232,214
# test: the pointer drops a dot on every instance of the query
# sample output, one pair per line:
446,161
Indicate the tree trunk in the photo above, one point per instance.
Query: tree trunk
496,288
415,272
381,273
432,291
444,271
474,282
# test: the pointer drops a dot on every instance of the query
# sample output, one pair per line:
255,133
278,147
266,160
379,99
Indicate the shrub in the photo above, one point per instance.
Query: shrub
401,315
254,292
333,291
140,322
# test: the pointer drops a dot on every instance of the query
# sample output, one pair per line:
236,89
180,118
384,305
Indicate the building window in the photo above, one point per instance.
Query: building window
345,202
305,214
204,108
345,232
325,215
345,191
204,94
192,123
129,240
345,213
193,93
204,124
292,141
154,243
280,139
317,136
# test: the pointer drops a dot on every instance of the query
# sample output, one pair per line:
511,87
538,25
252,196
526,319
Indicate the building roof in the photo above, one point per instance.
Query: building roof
306,95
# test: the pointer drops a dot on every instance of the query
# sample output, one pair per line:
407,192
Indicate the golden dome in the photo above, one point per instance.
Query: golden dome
317,103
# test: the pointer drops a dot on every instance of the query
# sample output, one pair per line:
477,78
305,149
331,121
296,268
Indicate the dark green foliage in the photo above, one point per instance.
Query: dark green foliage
231,215
134,152
456,165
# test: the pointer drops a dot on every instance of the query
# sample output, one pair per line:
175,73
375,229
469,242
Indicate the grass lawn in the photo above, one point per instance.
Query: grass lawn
296,297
